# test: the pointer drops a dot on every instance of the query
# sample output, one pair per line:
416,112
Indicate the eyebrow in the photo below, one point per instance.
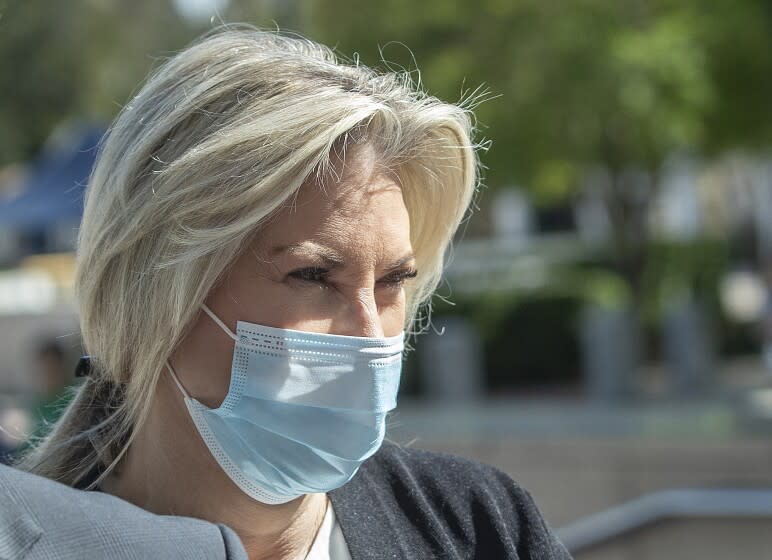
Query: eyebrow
331,258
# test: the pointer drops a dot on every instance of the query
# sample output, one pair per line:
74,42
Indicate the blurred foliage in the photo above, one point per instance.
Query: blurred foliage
536,344
532,338
564,87
690,270
64,60
529,338
572,83
581,85
621,83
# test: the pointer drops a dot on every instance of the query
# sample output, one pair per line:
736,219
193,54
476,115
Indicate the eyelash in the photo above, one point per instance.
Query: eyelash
396,280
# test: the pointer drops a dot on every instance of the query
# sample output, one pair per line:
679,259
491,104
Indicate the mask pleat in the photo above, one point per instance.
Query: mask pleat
343,434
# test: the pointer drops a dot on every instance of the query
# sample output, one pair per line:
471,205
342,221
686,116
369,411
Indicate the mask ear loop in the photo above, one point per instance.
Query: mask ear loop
176,380
219,322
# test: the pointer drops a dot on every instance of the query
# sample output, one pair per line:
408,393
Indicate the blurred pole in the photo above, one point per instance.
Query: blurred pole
512,216
610,351
452,362
760,181
688,348
10,246
761,192
591,215
678,203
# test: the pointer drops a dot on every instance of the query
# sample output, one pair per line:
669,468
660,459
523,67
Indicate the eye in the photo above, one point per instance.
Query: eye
310,274
397,279
318,275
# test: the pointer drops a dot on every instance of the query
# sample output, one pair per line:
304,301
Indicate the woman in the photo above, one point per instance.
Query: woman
260,231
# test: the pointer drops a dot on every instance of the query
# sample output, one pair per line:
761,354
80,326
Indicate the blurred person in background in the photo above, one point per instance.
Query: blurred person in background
261,230
21,426
52,376
15,427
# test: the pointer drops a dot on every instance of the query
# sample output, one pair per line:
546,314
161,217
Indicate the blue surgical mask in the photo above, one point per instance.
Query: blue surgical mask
303,410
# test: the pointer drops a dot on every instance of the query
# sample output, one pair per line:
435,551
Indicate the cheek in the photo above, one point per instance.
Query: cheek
392,314
315,309
280,307
261,297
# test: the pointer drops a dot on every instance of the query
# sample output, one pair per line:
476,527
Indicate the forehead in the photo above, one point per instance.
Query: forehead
355,176
359,206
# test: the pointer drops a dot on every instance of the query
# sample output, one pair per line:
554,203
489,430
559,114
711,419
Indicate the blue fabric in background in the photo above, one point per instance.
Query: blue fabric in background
53,191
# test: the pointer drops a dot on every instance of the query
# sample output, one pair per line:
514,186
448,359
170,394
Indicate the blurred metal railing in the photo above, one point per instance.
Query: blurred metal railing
612,523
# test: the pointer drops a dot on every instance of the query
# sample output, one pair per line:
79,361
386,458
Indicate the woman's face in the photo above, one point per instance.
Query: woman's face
333,261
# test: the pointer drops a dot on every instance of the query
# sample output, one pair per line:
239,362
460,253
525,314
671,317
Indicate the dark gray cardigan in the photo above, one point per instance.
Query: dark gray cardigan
407,503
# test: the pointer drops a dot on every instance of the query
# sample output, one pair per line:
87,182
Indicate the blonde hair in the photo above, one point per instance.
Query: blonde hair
219,138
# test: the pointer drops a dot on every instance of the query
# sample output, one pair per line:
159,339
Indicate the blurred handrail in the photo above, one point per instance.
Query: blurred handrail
687,502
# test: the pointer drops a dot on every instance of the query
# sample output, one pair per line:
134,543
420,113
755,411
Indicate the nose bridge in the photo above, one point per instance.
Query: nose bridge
362,314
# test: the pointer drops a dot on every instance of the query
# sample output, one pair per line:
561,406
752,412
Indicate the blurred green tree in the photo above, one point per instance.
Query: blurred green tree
63,60
580,84
574,84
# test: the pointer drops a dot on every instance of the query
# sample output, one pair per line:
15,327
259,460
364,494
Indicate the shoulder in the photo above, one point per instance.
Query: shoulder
495,513
473,508
441,470
450,479
41,518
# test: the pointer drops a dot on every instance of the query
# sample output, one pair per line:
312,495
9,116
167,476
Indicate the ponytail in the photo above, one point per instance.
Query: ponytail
86,442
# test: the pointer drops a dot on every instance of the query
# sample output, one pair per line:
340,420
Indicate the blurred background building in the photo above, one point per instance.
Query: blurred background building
604,331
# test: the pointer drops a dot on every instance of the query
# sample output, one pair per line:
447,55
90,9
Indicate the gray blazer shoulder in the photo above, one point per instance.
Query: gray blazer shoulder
41,519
